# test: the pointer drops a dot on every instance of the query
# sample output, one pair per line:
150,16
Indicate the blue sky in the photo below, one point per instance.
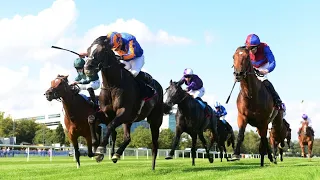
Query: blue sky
290,29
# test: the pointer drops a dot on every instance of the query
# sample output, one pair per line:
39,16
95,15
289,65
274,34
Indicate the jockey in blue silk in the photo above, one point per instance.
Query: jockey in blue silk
85,82
263,61
129,52
221,113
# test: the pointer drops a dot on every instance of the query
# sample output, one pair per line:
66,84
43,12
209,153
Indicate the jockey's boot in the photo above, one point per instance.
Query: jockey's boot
275,96
93,98
147,90
206,109
146,77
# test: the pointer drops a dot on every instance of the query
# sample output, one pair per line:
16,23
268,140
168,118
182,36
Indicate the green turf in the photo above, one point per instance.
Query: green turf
131,168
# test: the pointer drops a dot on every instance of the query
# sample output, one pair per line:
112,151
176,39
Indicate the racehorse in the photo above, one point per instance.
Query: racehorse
121,97
277,139
77,109
306,138
224,136
192,119
254,103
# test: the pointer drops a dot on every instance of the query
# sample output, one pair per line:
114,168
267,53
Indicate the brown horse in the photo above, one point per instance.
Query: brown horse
254,103
277,139
77,110
121,98
306,138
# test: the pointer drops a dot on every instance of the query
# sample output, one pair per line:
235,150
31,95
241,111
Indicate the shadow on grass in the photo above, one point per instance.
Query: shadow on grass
238,166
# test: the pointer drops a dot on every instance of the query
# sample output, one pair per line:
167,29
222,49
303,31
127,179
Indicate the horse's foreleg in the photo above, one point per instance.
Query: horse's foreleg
175,143
242,127
310,145
275,151
193,148
225,151
155,144
126,141
114,139
92,125
89,145
221,152
204,144
74,140
302,149
281,150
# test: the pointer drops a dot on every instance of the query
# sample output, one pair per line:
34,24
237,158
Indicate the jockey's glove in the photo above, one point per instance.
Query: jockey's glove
119,57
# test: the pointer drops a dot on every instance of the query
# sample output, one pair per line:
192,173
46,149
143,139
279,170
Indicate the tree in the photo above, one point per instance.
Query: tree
6,126
44,135
119,136
25,130
165,139
141,137
60,136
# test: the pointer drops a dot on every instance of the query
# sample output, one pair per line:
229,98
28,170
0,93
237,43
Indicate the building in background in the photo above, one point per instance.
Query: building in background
50,120
169,121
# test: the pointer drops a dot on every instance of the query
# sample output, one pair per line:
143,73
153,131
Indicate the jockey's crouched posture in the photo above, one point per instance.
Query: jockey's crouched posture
129,52
85,82
194,86
263,60
308,121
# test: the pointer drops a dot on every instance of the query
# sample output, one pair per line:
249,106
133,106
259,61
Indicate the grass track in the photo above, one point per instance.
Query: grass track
131,168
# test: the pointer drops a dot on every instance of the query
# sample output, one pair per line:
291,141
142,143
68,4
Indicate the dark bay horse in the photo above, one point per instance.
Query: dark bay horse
277,139
121,97
254,103
191,118
77,110
306,138
224,136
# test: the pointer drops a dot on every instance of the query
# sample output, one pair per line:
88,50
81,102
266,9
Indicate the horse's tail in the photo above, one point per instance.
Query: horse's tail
166,108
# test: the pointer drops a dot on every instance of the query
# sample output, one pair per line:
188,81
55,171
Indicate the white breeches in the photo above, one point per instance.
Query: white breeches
309,123
93,84
135,65
197,93
264,67
222,118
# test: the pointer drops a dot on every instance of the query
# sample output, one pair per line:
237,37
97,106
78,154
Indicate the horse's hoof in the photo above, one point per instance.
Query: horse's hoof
211,159
99,158
115,158
168,157
235,157
275,162
101,150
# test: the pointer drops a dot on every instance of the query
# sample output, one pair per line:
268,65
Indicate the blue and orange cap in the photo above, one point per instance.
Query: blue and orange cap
115,39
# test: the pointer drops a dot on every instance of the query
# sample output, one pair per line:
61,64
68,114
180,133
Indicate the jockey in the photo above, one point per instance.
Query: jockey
263,60
305,118
283,106
86,83
221,113
129,52
194,85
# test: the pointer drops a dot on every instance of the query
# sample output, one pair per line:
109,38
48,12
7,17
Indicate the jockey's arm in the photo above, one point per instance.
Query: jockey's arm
181,81
223,111
272,63
191,86
78,78
130,54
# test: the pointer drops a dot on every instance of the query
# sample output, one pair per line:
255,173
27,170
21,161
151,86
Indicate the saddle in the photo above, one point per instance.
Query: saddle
144,81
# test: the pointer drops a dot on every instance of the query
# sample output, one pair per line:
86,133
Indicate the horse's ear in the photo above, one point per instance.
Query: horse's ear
170,81
66,76
58,75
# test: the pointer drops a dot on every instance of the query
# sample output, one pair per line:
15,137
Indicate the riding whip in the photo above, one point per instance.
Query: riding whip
231,92
56,47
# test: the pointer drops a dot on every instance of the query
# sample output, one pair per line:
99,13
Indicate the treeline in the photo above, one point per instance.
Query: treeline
28,131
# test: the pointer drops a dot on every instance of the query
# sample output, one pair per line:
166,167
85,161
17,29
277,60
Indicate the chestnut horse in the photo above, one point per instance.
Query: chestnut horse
277,139
77,110
306,138
254,103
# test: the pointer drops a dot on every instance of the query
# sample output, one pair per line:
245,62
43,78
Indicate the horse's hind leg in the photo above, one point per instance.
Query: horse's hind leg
193,148
114,138
310,145
221,152
92,125
281,150
89,145
74,140
175,142
126,141
204,144
155,123
225,151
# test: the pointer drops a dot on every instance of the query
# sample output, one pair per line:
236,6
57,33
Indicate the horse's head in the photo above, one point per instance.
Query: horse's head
174,93
100,55
241,63
58,89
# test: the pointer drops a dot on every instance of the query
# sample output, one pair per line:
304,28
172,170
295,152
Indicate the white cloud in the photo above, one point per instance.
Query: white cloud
28,64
